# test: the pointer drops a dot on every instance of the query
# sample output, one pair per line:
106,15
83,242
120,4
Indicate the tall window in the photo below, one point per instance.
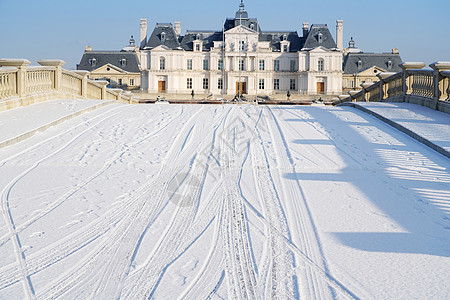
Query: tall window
241,65
120,81
189,64
285,48
162,63
205,64
293,66
261,84
276,65
205,83
197,47
220,65
320,63
189,83
220,83
131,81
241,45
276,84
261,64
292,84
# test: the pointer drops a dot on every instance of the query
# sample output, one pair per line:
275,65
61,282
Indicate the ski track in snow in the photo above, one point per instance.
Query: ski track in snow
217,157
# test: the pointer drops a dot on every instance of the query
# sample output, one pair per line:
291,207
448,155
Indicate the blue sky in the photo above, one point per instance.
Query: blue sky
38,29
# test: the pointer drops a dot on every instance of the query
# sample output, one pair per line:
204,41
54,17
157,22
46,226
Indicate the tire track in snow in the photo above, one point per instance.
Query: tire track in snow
7,215
51,206
144,282
315,281
143,212
277,269
240,273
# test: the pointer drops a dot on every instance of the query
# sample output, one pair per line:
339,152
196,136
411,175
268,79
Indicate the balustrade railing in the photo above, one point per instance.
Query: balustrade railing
39,79
411,82
19,81
421,83
72,83
8,79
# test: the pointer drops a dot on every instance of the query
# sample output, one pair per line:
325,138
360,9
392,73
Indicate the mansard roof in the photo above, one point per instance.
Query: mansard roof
368,60
207,37
319,35
93,60
275,38
163,34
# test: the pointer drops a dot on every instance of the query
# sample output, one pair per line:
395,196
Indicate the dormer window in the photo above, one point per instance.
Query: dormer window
197,47
92,61
163,37
198,36
285,48
389,65
252,26
320,37
123,62
284,37
359,64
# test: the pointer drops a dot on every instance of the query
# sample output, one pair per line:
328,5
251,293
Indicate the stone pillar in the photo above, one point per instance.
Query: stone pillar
57,63
340,34
84,82
104,83
364,90
383,86
21,65
438,80
352,93
406,84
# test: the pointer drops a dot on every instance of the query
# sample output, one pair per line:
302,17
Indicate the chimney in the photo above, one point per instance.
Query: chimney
395,51
177,28
340,34
305,29
88,49
143,32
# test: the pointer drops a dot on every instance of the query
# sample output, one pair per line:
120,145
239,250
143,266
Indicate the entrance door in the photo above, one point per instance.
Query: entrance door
241,87
320,87
161,86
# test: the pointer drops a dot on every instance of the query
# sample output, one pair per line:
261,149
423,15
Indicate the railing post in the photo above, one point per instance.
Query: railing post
352,93
21,80
383,85
406,80
57,63
104,83
439,92
84,82
364,91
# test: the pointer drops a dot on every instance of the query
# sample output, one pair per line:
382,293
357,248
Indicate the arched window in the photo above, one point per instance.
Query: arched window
162,63
163,37
389,65
359,64
320,65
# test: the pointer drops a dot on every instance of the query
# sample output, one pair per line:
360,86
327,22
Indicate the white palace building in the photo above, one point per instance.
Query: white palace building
241,58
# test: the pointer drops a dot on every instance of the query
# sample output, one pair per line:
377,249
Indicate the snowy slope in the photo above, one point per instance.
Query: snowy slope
196,202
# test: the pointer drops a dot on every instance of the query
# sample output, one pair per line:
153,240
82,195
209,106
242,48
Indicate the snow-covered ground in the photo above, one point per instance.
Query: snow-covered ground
197,202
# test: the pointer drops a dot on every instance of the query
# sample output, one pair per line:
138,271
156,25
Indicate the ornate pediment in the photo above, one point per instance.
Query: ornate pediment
240,29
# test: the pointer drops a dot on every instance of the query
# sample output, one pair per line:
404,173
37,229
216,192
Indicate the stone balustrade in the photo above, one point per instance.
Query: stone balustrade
430,88
23,85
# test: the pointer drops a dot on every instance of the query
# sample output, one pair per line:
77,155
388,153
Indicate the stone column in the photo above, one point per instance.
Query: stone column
364,90
438,67
406,84
383,86
84,82
21,65
57,63
104,83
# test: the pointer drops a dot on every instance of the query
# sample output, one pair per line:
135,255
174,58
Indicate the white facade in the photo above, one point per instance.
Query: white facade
261,69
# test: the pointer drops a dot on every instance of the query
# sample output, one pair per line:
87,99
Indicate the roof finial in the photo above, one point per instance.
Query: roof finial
241,6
